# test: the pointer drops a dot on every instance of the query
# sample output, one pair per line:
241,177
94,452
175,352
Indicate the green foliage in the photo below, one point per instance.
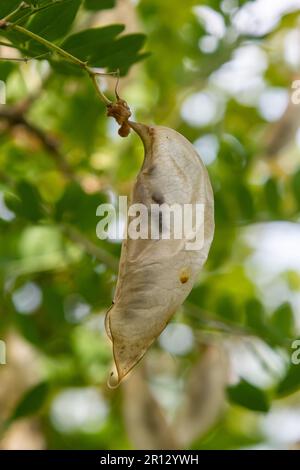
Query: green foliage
31,402
283,321
296,186
96,5
55,22
255,316
96,46
87,44
248,396
272,196
7,7
26,202
290,382
78,208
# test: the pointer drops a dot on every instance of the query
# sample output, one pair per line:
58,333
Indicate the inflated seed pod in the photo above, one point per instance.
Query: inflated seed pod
156,275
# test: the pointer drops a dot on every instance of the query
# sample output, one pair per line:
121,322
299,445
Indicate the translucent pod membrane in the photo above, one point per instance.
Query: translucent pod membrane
157,274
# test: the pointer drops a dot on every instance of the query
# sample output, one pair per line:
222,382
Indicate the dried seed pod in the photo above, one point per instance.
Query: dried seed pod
147,430
204,396
156,275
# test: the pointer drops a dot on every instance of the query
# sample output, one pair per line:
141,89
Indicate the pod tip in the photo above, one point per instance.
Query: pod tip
113,380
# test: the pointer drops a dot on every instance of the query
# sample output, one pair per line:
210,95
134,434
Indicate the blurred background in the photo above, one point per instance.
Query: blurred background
220,376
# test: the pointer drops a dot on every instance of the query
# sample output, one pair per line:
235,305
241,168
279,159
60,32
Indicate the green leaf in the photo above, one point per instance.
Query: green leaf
5,69
245,201
257,320
255,315
26,202
88,43
226,437
296,186
248,396
232,153
28,329
226,308
38,3
282,320
66,68
99,4
30,201
121,53
290,383
31,402
8,6
78,208
53,23
272,195
222,214
99,47
83,133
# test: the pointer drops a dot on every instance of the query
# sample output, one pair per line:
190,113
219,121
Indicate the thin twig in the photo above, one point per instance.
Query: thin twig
22,6
15,59
61,52
25,59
